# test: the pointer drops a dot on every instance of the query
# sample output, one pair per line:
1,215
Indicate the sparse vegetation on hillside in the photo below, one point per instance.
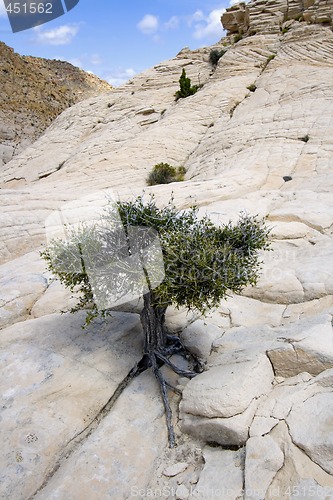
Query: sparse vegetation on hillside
163,173
268,60
34,91
186,88
238,37
215,55
252,87
203,263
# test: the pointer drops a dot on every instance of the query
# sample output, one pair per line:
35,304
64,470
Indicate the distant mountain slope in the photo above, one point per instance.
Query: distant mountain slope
33,92
256,138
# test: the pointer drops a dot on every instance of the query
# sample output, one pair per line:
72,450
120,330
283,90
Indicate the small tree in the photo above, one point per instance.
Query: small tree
186,89
203,263
215,55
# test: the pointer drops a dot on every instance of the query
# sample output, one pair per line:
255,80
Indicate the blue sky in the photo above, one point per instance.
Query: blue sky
116,40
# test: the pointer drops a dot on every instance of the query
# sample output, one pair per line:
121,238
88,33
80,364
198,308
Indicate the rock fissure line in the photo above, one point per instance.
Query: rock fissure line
47,286
284,463
304,451
197,146
269,359
83,435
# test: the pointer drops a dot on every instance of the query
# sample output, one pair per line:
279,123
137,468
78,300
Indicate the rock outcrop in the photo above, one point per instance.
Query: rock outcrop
33,92
261,16
257,424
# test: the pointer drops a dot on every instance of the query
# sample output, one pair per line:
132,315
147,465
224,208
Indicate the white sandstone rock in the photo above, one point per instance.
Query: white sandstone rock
119,459
199,337
262,462
229,431
182,493
227,390
55,380
305,347
299,477
175,469
222,475
314,435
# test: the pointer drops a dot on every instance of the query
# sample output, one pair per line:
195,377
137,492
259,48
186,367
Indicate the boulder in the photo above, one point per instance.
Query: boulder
305,347
222,475
229,431
227,390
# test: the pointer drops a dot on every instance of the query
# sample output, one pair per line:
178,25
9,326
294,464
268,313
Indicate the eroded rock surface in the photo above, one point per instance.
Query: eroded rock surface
256,137
275,16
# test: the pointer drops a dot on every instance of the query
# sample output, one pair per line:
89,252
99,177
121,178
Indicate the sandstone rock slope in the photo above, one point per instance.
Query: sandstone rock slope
33,92
257,424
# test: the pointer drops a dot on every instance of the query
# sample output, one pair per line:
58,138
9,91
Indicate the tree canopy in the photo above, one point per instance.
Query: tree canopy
166,255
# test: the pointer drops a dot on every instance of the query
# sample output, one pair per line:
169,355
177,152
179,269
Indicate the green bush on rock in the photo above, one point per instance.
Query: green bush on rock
163,173
186,89
215,55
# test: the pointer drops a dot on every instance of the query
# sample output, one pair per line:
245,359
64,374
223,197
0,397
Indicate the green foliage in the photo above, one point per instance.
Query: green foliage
215,55
268,60
285,29
186,89
238,37
203,262
163,173
305,138
65,260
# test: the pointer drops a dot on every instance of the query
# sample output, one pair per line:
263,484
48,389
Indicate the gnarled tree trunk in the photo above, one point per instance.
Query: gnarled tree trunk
152,319
157,348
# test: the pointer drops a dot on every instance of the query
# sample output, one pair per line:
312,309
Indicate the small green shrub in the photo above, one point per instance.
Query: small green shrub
232,110
186,89
163,173
305,138
285,29
238,37
252,87
215,55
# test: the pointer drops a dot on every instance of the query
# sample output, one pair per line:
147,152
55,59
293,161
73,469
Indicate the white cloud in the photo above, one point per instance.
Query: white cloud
148,24
172,24
197,16
119,76
207,26
63,35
